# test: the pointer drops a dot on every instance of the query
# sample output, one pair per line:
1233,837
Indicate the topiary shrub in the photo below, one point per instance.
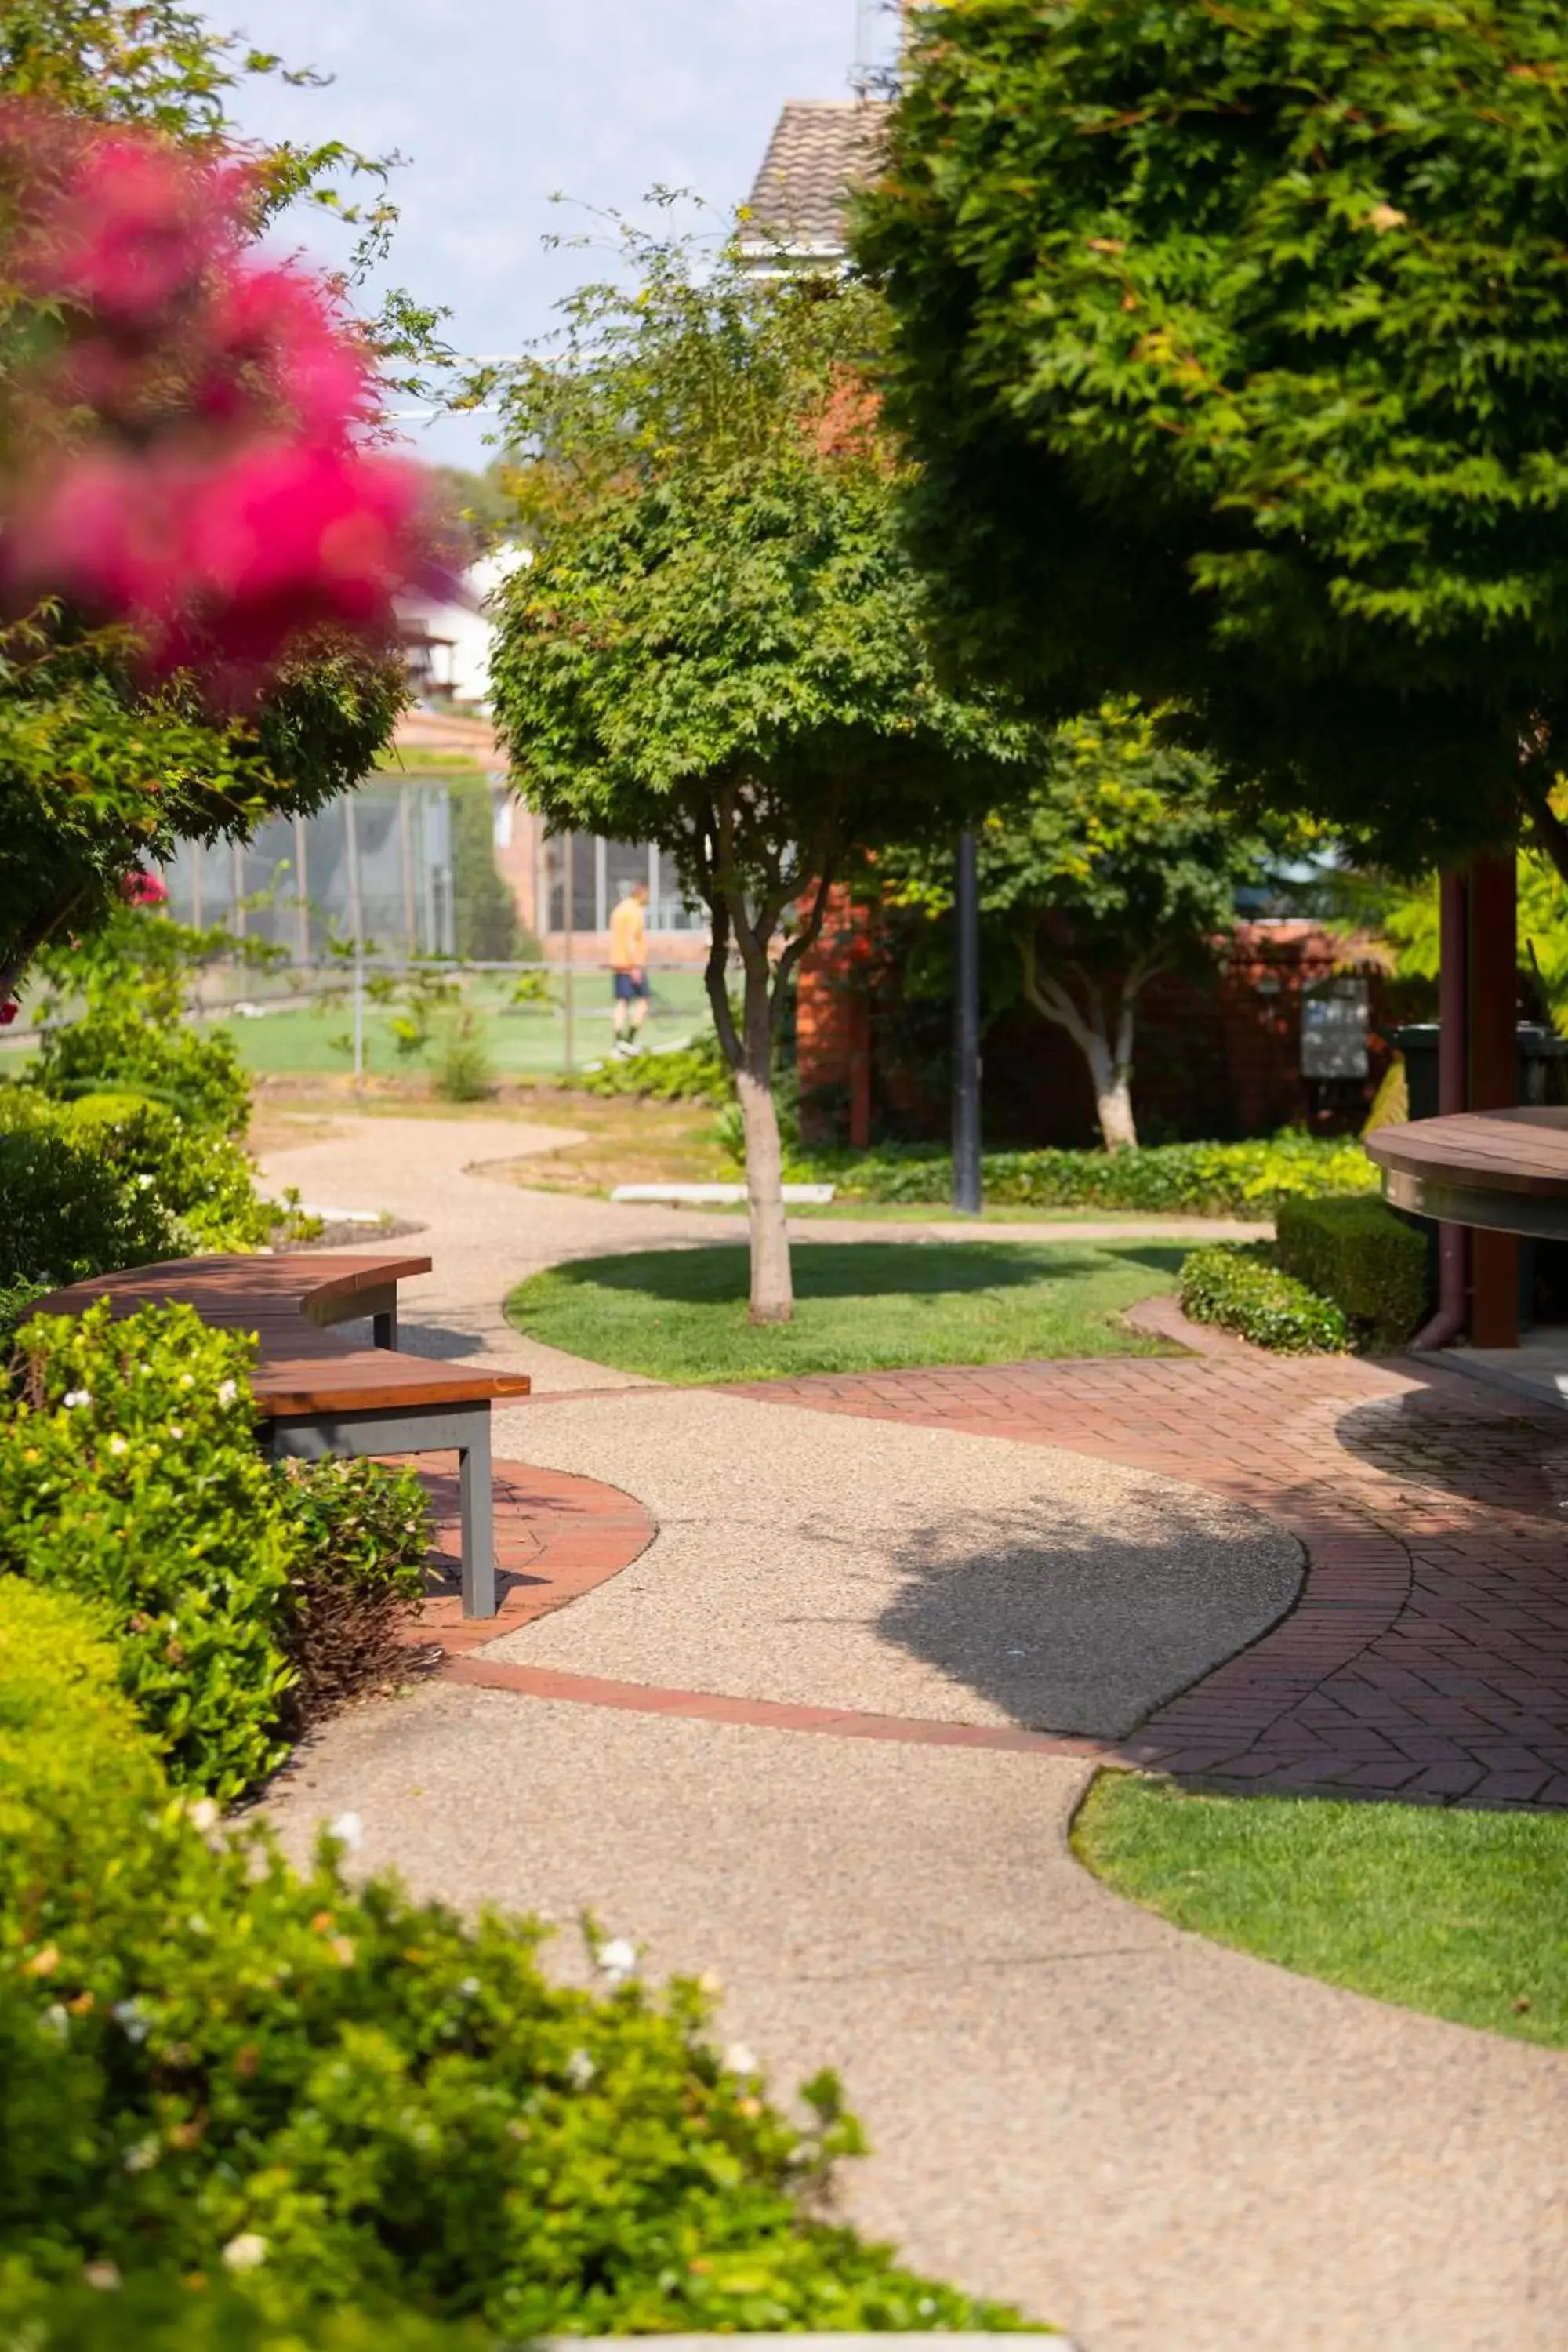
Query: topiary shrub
129,1474
213,2066
1369,1262
70,1212
118,1050
1242,1287
360,1534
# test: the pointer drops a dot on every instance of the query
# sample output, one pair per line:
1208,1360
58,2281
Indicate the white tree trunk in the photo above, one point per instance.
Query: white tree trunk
772,1285
1112,1096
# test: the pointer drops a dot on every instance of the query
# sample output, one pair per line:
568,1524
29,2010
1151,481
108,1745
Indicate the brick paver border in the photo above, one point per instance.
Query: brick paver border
1425,1656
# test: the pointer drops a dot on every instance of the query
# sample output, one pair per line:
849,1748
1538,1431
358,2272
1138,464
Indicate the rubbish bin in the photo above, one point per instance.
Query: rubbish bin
1543,1065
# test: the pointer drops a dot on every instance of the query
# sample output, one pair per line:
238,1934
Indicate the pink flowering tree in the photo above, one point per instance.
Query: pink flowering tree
200,539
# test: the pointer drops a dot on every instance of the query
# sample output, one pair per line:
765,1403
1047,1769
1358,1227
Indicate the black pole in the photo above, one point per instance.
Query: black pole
966,1031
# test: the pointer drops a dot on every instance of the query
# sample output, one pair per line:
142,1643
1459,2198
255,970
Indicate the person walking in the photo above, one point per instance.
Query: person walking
629,966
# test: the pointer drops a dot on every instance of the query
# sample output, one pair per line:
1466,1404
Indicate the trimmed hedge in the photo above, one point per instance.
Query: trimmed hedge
1242,1287
214,2066
246,1597
1369,1262
1212,1180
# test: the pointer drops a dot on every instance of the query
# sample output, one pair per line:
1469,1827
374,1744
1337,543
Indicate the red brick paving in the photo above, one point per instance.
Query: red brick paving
556,1537
1427,1654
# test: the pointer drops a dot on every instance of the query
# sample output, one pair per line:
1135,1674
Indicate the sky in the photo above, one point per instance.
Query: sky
498,104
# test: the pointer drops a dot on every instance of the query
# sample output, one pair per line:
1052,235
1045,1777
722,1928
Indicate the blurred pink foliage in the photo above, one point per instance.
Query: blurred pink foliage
194,456
141,888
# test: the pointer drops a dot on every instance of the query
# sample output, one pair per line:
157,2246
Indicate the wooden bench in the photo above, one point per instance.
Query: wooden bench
316,1392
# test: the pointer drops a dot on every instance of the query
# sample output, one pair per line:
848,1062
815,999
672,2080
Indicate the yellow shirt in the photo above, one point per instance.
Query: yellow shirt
626,938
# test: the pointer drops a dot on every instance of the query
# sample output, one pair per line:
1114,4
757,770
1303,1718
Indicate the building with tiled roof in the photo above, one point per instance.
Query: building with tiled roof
821,150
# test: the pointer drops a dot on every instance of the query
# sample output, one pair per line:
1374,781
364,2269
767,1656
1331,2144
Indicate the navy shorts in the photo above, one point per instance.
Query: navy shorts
630,986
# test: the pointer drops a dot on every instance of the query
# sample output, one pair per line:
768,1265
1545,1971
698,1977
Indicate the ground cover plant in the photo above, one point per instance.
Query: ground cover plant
1211,1180
215,2068
681,1315
1462,1914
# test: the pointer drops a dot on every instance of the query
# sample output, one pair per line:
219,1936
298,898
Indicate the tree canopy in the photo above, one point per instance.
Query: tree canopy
1232,347
718,646
1120,865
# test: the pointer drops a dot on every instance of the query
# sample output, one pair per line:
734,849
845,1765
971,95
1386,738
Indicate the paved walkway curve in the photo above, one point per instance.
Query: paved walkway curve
1164,2145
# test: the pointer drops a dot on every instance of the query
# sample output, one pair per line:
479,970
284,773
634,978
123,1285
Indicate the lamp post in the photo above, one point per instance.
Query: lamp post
966,1193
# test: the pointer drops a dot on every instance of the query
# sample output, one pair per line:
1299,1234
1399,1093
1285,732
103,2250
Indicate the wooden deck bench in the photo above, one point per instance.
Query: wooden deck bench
316,1392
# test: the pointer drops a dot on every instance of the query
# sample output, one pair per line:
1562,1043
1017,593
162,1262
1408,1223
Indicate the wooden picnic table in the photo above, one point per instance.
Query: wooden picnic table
317,1391
1504,1171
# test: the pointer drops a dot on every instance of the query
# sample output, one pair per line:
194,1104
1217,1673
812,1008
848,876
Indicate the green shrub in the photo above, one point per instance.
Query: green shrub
695,1072
1242,1287
1215,1179
129,1474
209,2061
463,1070
201,1175
151,2315
18,1300
1367,1260
484,910
70,1212
247,1597
359,1533
118,1050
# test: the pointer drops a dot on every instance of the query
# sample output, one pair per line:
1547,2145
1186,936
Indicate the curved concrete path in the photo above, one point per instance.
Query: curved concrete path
1163,2146
456,1177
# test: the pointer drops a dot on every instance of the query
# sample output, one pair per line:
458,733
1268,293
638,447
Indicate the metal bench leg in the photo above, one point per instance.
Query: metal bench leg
477,1514
384,1328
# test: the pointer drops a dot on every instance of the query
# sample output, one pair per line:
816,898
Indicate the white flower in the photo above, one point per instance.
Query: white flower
117,1445
176,1430
103,2275
142,2158
580,2070
131,2020
246,2252
203,1814
73,1397
618,1959
468,1988
187,1379
348,1831
56,2019
740,2060
142,1184
227,1391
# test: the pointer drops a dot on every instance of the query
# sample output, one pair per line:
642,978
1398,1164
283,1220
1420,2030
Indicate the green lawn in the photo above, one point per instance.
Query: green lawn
1463,1914
681,1315
520,1040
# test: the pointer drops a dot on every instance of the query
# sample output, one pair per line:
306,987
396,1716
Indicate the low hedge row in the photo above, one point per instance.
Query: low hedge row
1242,1287
215,2068
1168,1178
118,1049
1373,1263
157,2315
246,1596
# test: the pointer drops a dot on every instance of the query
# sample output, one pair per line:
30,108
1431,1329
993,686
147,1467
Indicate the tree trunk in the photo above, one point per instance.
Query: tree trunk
772,1286
1112,1096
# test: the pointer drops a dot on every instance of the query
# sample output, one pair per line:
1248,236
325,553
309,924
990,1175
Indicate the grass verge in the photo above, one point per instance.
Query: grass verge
1462,1915
681,1315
